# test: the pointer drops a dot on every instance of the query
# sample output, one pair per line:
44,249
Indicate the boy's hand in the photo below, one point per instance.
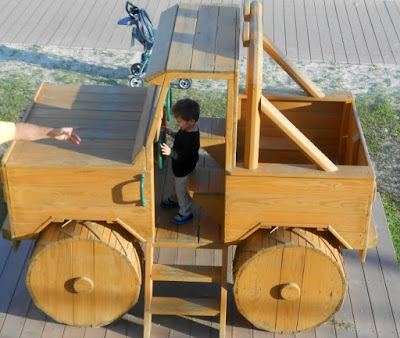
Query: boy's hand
167,130
165,150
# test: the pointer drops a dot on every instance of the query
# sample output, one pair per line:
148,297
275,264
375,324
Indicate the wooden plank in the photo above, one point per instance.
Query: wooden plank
73,332
10,275
52,329
344,321
346,32
307,146
379,32
74,114
34,322
335,32
5,251
54,25
100,24
129,127
394,13
387,259
107,36
185,306
291,30
324,33
95,98
303,43
19,305
268,18
7,10
291,69
313,31
252,136
32,23
62,89
279,37
66,23
369,34
93,23
10,27
378,295
162,45
357,30
227,37
44,22
189,273
180,53
78,22
387,19
362,312
204,44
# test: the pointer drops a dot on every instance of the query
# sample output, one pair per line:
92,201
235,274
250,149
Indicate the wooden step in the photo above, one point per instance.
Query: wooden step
185,306
186,273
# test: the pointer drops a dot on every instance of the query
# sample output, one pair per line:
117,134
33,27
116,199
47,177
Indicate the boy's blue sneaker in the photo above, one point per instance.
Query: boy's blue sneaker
169,204
179,219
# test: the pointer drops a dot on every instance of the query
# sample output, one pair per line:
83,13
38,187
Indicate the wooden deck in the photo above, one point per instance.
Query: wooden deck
342,31
371,308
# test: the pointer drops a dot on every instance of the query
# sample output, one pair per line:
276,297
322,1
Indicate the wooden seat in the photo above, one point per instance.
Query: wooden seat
212,137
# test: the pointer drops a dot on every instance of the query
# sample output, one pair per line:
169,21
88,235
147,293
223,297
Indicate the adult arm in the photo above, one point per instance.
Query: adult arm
32,132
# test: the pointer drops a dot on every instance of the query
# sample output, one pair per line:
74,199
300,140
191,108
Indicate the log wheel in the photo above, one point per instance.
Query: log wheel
290,280
85,273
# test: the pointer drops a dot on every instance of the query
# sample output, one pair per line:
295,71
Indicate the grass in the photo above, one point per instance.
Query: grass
380,114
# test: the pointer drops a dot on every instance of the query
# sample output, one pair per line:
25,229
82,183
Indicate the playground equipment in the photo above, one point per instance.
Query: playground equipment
288,180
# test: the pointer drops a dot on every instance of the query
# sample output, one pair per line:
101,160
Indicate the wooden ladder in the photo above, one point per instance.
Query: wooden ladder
184,273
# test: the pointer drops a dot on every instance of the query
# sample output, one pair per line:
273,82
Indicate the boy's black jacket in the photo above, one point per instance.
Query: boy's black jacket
185,152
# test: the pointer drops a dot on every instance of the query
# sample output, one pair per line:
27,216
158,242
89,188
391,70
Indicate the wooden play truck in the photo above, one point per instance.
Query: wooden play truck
285,178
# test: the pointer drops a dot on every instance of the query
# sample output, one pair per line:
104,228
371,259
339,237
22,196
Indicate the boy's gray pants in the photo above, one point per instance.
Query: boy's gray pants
181,195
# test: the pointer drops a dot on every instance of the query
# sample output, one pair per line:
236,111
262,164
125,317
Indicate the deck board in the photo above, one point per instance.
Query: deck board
343,31
371,307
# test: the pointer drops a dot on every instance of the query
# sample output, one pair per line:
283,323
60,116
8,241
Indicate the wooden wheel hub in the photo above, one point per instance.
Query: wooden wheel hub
290,291
83,285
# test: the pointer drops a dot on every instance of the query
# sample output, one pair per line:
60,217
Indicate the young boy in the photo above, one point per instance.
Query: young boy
184,155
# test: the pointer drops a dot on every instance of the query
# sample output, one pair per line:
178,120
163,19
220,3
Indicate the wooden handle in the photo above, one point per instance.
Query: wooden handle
290,291
142,190
83,285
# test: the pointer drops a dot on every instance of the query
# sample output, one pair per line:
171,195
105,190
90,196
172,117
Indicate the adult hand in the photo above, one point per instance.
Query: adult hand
66,134
165,150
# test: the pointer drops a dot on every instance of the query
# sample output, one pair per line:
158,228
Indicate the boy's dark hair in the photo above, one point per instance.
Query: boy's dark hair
187,109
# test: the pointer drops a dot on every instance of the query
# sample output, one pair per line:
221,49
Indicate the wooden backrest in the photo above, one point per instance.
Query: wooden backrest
147,116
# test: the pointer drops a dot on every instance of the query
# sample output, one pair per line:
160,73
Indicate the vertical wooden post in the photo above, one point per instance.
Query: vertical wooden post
224,292
148,289
229,125
255,72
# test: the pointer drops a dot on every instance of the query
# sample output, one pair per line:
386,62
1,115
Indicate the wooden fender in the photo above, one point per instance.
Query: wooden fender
84,274
290,280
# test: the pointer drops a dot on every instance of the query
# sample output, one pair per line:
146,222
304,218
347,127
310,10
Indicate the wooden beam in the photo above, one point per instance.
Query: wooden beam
246,34
291,69
297,136
254,89
246,10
